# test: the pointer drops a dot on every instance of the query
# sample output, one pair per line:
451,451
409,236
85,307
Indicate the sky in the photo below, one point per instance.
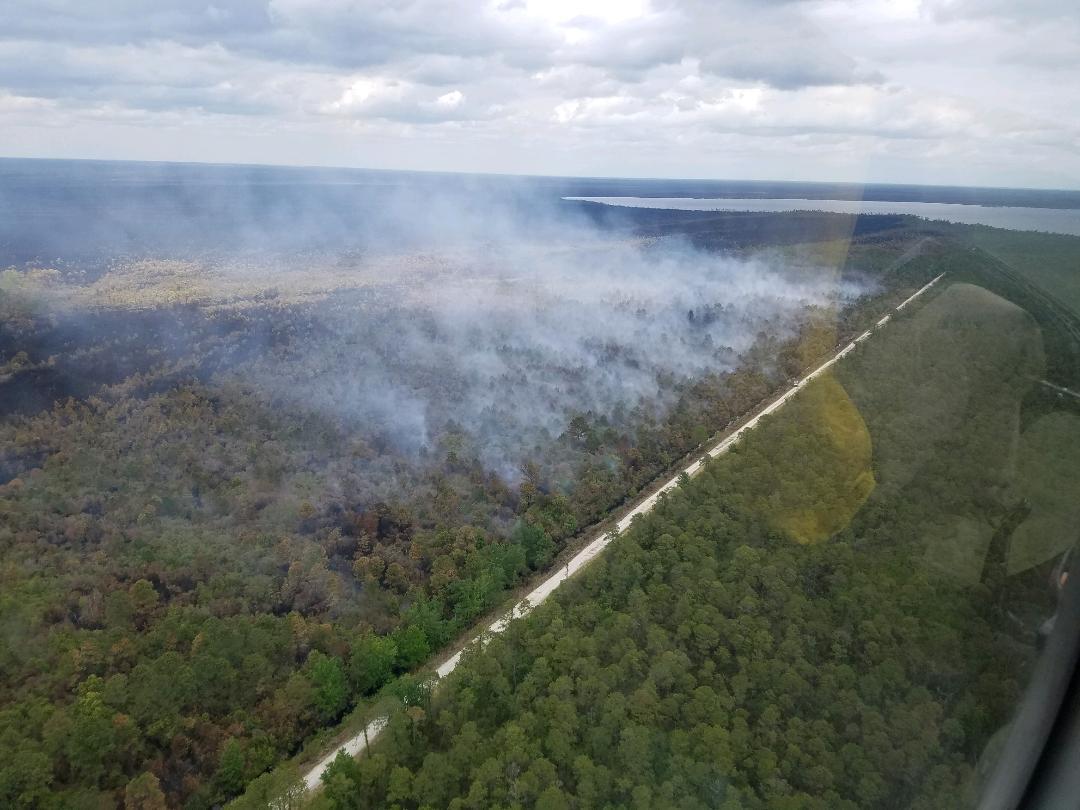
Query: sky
970,92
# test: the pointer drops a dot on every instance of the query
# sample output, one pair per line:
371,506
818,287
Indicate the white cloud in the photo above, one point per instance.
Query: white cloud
399,100
950,90
450,100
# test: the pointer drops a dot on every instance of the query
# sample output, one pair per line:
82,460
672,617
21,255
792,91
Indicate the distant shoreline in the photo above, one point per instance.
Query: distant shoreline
21,169
1064,221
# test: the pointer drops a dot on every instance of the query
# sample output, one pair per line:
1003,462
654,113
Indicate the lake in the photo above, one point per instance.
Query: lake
1049,220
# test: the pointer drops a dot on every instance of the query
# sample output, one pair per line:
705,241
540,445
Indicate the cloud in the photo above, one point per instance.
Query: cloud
121,21
152,75
403,101
1030,10
347,34
552,85
773,44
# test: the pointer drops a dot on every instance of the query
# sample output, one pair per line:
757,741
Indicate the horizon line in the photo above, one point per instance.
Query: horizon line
529,176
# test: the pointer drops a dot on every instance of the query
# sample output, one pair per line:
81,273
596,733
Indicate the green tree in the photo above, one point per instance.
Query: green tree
341,783
331,688
25,778
539,547
91,739
281,789
412,647
372,663
400,787
232,769
144,600
144,793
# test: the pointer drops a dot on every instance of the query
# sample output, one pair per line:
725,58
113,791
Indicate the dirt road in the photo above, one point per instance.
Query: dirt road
535,597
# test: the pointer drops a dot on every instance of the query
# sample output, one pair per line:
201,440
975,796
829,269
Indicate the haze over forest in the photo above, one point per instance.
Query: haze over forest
330,329
272,439
371,409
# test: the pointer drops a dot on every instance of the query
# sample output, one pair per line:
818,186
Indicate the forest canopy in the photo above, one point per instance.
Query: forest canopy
714,658
241,500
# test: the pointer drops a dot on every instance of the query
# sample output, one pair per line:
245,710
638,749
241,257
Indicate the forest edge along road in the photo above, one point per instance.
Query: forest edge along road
370,733
535,597
359,742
